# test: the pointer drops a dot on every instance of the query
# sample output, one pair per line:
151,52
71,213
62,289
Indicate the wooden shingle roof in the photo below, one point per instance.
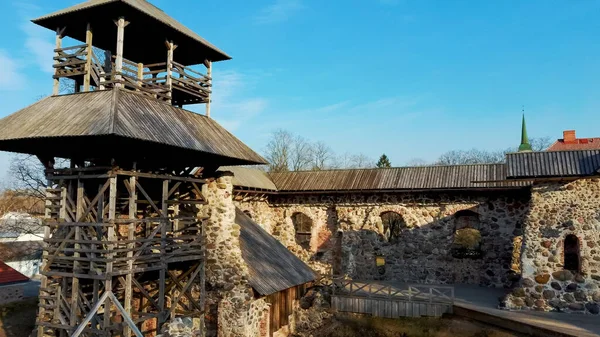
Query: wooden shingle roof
92,123
272,267
452,177
149,28
553,164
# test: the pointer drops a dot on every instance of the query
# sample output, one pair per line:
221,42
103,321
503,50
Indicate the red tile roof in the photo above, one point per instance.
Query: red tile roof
9,275
577,144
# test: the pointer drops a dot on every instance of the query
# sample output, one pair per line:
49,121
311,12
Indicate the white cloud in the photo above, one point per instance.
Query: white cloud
39,41
230,105
10,76
279,11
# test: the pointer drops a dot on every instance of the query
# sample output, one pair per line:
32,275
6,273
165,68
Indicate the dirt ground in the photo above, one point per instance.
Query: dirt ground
349,326
18,319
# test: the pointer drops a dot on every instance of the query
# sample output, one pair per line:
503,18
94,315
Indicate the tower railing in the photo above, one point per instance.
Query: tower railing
168,81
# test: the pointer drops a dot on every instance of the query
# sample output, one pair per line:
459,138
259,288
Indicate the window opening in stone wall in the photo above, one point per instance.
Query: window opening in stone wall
393,224
247,212
467,237
303,226
571,247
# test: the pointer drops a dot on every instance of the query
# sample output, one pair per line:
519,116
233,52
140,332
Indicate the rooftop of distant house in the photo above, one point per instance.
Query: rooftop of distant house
571,142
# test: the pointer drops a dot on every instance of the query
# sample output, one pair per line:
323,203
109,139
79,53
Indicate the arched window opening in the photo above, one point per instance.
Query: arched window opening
467,238
466,219
303,226
571,247
393,224
247,212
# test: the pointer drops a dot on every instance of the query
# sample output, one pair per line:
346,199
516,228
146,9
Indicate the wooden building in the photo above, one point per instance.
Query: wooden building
274,272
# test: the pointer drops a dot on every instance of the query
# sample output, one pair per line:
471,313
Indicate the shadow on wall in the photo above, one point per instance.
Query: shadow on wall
475,240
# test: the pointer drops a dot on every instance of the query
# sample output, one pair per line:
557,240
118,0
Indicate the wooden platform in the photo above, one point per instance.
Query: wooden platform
392,302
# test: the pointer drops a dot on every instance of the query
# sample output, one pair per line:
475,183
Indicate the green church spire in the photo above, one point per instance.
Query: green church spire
525,146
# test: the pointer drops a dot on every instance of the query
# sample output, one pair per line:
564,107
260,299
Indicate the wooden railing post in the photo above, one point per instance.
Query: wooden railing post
209,75
121,24
170,48
88,59
59,37
140,76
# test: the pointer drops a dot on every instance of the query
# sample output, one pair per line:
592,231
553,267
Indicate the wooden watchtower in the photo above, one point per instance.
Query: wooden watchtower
123,237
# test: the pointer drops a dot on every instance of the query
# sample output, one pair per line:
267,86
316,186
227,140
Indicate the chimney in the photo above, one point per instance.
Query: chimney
569,137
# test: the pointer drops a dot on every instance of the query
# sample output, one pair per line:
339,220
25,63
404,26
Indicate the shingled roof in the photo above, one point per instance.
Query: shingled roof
480,176
272,267
97,123
553,164
149,26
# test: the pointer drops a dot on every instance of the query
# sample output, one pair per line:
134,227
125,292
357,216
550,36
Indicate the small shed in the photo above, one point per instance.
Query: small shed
275,272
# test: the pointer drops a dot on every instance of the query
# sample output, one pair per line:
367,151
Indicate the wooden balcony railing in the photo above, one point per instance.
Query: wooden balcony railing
167,81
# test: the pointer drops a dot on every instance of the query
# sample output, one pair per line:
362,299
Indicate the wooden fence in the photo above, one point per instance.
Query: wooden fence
383,300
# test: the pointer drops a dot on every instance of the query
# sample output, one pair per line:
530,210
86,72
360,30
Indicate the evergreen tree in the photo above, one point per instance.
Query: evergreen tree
383,162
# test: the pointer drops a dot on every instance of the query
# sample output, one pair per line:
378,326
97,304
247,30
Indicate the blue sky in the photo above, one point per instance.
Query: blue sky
412,79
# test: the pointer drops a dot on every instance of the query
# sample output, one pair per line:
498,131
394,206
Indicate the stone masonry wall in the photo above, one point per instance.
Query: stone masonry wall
347,234
229,297
559,209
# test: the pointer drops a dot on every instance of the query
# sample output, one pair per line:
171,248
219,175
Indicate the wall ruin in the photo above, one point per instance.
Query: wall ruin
348,234
558,210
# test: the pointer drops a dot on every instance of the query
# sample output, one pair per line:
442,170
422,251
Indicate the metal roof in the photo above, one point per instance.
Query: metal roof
250,178
96,123
149,28
480,176
553,164
271,266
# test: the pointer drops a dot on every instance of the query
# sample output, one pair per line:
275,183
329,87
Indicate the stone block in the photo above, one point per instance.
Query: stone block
548,294
576,306
555,285
542,278
571,287
563,275
593,308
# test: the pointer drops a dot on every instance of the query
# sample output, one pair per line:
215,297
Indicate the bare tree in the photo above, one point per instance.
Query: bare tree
361,161
301,155
278,151
27,176
417,162
540,143
321,156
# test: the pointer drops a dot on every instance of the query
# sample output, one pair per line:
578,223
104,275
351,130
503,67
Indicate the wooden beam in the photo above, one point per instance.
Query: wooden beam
140,75
121,24
59,37
209,75
112,210
170,48
163,247
130,236
88,59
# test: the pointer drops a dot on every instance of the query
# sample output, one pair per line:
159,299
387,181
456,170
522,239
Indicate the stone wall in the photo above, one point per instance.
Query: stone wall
229,298
348,235
11,293
559,209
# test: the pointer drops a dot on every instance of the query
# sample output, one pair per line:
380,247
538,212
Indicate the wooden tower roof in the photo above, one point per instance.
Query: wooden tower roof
147,32
121,124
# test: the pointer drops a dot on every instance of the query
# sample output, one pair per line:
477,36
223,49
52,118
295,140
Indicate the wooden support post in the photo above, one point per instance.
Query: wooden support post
59,37
163,247
140,76
121,24
209,74
112,210
75,280
88,64
170,48
131,247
